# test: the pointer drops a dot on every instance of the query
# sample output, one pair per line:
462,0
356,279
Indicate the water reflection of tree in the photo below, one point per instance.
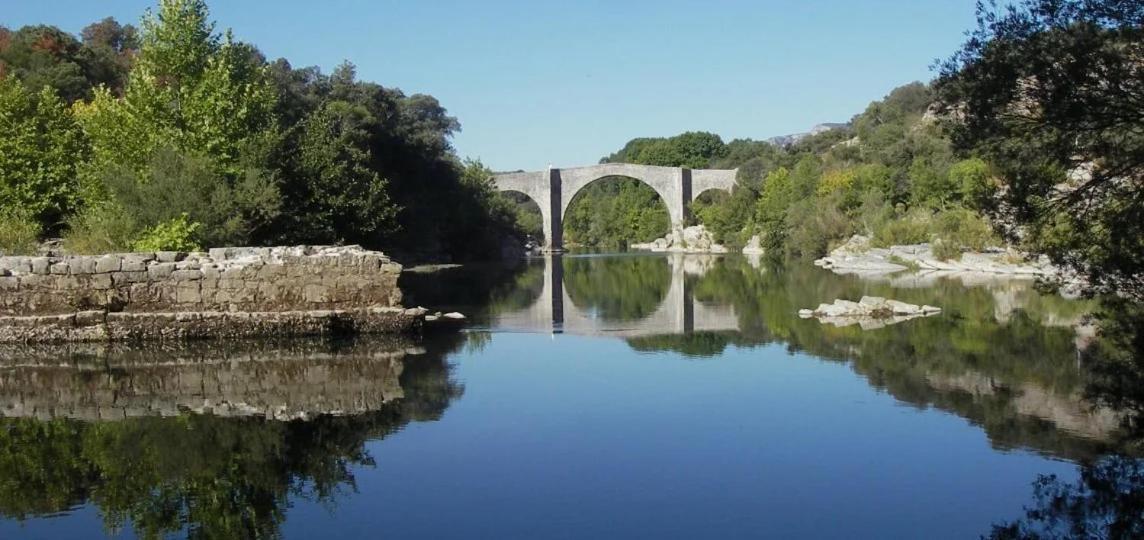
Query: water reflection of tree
695,345
617,288
990,346
205,475
1107,500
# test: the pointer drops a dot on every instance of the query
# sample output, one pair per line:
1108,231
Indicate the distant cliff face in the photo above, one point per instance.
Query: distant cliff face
787,140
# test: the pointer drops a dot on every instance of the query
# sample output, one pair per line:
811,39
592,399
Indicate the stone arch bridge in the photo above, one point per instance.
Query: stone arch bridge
554,189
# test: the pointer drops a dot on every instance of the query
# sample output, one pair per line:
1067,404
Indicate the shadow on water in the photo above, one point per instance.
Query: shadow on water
207,439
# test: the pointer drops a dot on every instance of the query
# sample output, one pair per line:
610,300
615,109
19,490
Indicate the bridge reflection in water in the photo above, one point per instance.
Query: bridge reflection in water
556,311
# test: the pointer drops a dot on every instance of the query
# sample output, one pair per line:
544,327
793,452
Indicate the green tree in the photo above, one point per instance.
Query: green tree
694,149
774,201
974,184
339,196
1049,92
42,56
38,153
197,118
189,89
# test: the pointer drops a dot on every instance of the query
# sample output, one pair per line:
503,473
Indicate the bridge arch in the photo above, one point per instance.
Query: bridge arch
554,189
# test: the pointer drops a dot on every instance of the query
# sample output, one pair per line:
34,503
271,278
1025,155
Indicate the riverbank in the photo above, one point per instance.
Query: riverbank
224,293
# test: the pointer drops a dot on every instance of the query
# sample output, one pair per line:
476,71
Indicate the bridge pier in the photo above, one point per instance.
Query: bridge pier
554,189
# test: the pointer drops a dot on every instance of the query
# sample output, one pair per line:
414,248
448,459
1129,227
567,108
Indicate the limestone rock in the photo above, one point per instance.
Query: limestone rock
856,256
694,239
870,312
754,246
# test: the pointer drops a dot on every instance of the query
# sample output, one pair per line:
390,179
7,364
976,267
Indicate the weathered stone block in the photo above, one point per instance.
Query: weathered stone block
123,278
272,271
108,263
230,284
9,283
186,275
188,294
58,268
169,256
81,265
101,282
188,265
137,262
40,265
160,271
317,294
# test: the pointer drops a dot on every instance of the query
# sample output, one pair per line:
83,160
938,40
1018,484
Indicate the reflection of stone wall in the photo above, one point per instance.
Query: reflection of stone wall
281,381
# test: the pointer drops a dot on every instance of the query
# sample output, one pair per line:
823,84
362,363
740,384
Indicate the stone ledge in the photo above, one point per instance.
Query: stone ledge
292,278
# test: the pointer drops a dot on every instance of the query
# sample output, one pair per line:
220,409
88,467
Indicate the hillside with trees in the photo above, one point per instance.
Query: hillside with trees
178,136
890,174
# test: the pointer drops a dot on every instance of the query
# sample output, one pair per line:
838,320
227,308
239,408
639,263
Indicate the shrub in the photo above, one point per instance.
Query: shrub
19,232
913,227
872,212
176,183
959,229
946,250
177,234
100,228
814,224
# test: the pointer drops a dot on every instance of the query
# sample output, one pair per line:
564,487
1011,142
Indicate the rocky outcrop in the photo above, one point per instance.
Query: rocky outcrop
858,256
694,239
870,312
226,292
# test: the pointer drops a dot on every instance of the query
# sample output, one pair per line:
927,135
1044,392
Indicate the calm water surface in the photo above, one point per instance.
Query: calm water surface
594,396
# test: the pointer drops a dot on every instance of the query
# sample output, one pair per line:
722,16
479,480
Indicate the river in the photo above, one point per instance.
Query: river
646,396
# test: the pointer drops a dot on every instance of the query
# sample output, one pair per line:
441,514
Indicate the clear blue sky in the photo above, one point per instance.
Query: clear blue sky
567,82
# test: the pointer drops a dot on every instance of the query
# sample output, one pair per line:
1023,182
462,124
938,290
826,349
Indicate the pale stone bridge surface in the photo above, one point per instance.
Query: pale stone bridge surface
554,189
554,311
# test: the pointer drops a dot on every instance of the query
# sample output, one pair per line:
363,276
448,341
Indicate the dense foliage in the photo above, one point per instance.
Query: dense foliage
890,174
1050,93
614,212
42,56
181,136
